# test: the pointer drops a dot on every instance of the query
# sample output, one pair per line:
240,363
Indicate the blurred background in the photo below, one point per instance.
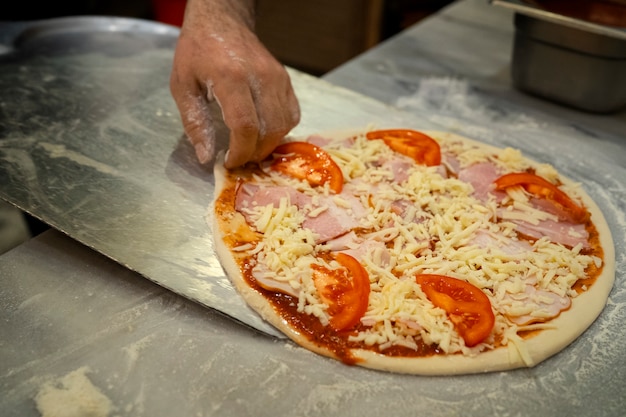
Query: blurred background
310,36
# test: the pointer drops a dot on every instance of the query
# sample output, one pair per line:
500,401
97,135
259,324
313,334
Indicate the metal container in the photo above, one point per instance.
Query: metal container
567,60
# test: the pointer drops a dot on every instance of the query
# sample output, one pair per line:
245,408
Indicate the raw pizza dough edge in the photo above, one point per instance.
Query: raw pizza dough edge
568,326
252,297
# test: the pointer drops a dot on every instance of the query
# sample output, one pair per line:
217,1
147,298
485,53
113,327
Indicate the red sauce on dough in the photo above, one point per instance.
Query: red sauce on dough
593,271
309,326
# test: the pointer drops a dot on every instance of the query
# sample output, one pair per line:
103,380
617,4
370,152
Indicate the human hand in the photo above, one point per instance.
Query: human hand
218,57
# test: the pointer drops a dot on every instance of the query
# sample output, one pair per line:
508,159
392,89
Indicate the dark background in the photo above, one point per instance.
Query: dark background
312,36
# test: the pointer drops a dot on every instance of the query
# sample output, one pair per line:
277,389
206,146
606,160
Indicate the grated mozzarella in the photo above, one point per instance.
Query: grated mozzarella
429,223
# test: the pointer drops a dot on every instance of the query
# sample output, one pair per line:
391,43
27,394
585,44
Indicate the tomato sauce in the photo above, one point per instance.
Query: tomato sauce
593,271
286,306
337,342
309,326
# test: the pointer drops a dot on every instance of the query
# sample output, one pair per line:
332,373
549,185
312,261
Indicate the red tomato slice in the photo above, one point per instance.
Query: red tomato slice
543,188
467,306
417,145
305,161
345,291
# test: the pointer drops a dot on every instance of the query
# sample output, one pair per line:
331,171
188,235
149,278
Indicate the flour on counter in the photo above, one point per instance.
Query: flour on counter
448,99
437,93
61,151
72,395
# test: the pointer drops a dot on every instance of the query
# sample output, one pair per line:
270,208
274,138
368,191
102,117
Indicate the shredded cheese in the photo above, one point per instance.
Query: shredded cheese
428,223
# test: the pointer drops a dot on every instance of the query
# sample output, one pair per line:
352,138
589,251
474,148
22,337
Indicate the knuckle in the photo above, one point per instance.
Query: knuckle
243,122
235,71
245,128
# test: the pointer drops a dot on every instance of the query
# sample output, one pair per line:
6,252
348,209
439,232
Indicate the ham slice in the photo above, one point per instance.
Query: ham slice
568,234
318,140
379,252
322,141
399,167
358,248
550,207
548,305
509,246
264,279
556,228
481,176
250,195
451,162
348,241
335,220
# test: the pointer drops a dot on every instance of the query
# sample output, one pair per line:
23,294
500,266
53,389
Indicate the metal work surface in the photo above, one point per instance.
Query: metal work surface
91,143
155,354
66,307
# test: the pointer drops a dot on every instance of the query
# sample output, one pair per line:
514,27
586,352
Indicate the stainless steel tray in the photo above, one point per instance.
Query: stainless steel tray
593,55
527,9
91,143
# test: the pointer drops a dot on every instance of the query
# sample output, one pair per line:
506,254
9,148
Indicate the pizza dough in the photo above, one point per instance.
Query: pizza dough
516,349
72,395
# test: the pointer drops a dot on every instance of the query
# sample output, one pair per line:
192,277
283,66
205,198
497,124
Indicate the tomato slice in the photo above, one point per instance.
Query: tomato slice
305,161
345,291
467,306
417,145
540,187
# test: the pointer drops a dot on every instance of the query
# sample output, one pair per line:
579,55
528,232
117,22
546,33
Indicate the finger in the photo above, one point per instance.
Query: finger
278,114
198,127
196,119
274,129
240,116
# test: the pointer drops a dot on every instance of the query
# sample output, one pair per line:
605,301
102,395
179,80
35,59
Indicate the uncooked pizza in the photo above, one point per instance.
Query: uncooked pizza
414,251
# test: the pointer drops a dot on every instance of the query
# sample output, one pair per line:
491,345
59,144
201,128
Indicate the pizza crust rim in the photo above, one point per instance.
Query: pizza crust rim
567,327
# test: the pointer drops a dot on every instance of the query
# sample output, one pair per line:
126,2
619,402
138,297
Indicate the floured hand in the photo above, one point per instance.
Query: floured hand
218,57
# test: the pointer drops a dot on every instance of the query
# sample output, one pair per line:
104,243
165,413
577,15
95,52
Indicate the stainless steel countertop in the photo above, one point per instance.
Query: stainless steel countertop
155,353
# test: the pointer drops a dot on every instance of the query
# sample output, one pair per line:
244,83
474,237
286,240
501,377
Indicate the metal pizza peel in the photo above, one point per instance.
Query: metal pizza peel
91,144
